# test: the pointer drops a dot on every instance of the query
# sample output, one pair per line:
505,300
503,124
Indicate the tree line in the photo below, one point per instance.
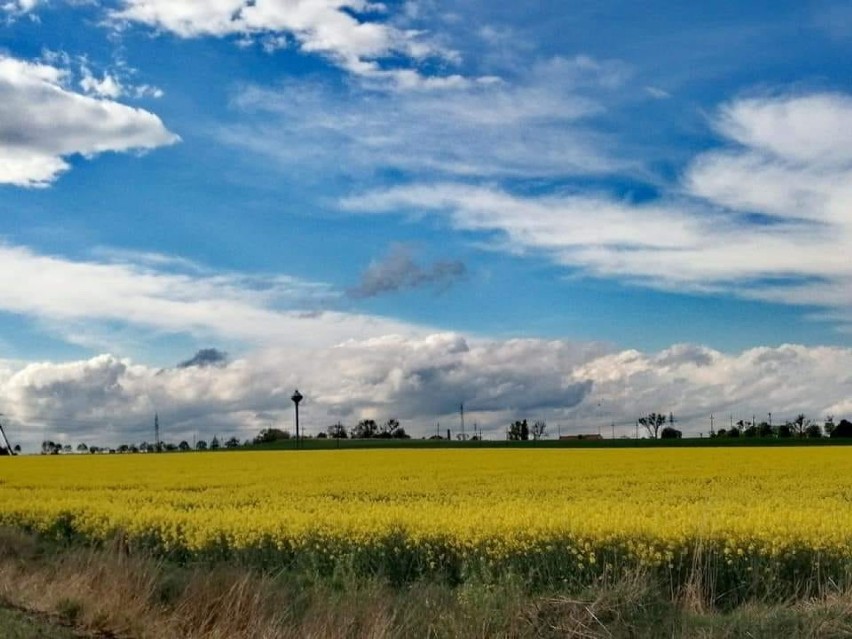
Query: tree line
658,426
364,429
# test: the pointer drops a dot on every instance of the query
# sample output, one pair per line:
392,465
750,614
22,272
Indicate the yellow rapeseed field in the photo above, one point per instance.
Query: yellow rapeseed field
552,515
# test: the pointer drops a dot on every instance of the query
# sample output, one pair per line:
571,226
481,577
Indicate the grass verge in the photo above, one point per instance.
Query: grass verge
108,592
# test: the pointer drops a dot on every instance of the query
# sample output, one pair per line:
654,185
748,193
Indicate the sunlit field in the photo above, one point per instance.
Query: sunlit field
751,520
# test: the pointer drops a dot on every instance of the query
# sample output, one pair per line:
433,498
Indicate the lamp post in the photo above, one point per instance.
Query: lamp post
297,397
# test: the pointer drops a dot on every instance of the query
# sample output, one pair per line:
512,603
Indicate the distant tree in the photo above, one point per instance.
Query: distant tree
183,446
322,435
747,429
800,425
233,442
389,429
337,431
764,430
814,431
652,424
734,432
785,430
17,449
49,448
842,430
269,435
828,426
82,448
170,447
365,429
670,433
214,443
519,431
538,429
721,433
201,445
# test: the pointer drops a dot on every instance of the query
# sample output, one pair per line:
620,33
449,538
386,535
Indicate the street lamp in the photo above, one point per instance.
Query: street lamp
297,397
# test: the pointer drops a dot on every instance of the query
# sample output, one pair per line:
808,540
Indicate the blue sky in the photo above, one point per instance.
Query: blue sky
300,174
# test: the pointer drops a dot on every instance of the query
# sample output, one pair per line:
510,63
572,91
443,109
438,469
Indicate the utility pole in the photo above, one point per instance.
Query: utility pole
613,429
156,432
770,420
461,414
712,432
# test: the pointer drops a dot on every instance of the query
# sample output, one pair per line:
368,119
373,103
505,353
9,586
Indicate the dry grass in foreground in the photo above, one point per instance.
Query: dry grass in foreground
106,593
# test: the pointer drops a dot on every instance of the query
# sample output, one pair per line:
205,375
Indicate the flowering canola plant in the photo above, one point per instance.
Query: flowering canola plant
552,515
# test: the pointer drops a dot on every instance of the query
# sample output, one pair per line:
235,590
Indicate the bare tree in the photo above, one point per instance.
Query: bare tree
800,425
538,429
652,423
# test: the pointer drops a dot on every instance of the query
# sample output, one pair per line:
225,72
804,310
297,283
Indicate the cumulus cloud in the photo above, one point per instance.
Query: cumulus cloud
766,217
398,272
534,126
576,387
43,123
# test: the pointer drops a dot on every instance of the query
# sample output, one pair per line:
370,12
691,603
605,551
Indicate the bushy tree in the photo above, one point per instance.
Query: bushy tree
337,431
201,445
828,426
538,429
365,429
183,446
670,433
269,435
785,430
813,431
842,430
214,443
519,431
233,442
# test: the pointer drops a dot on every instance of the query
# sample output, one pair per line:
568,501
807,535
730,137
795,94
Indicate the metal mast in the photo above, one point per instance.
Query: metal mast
5,440
156,433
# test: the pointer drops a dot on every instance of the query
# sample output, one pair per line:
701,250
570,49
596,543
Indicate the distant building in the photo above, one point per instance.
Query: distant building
581,437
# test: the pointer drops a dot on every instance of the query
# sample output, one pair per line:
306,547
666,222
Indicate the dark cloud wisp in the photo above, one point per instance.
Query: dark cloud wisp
399,272
206,357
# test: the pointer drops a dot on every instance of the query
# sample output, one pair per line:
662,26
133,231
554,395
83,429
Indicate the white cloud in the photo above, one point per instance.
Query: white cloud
349,32
162,297
106,87
536,126
422,380
42,123
789,161
19,6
